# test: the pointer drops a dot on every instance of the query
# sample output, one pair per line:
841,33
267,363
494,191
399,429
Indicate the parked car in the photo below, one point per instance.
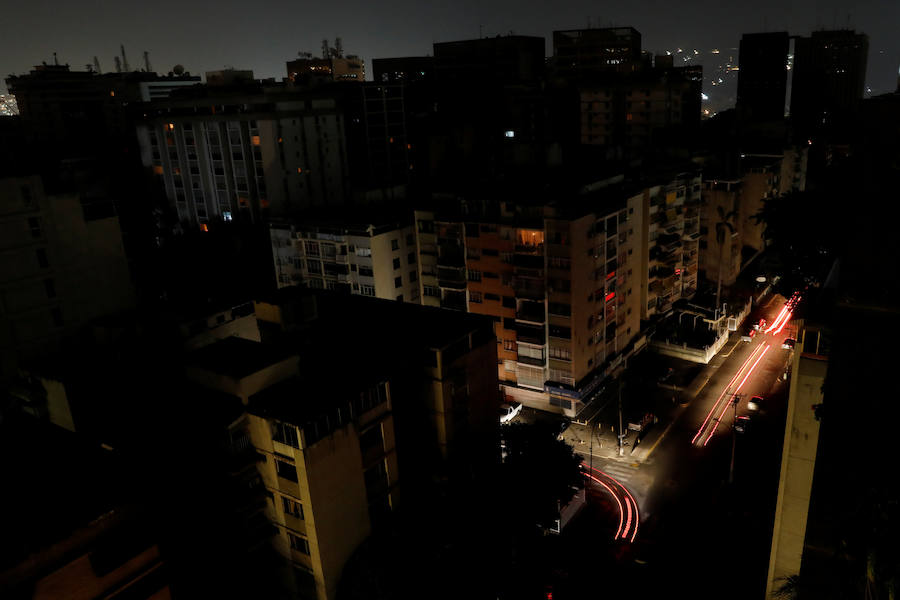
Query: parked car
760,325
748,334
789,343
509,411
742,424
755,403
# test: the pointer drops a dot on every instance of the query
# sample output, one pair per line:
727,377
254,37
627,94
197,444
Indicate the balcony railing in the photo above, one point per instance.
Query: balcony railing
531,361
531,334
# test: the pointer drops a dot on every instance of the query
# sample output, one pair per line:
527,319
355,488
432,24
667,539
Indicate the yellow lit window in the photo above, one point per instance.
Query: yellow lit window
299,169
158,169
112,94
171,126
280,140
204,227
255,140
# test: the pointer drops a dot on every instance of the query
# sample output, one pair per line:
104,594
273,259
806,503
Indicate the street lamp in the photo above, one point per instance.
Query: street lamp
734,403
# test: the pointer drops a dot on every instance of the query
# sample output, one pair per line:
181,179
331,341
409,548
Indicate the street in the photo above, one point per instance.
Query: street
697,533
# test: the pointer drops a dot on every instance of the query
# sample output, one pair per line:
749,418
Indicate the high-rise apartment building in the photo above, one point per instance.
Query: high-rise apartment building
59,268
560,279
69,114
624,100
623,112
247,151
762,79
376,259
670,256
332,66
584,52
829,78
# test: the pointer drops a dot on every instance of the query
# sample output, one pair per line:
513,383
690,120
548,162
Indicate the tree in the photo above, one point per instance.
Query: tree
540,474
722,225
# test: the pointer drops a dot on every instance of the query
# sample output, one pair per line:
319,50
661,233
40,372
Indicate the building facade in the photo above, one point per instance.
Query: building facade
763,75
558,279
248,152
367,259
59,268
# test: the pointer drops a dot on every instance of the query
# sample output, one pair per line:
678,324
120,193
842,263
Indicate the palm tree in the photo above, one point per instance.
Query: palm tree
724,224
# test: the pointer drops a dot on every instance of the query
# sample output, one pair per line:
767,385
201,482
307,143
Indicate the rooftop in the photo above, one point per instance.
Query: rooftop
237,357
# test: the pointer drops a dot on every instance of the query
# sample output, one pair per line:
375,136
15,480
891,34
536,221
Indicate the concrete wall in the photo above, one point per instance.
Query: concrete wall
801,439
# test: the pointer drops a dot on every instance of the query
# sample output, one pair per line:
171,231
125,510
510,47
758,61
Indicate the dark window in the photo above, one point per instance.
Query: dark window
50,288
395,244
298,543
57,317
509,302
410,240
35,224
413,276
490,252
42,258
396,263
411,258
285,433
286,470
292,507
398,282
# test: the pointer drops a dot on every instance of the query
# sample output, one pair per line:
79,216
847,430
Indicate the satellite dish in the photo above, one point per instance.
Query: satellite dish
178,69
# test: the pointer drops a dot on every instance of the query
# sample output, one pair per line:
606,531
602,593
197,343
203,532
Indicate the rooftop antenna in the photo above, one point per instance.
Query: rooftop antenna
118,64
339,47
97,65
55,60
124,59
324,48
147,61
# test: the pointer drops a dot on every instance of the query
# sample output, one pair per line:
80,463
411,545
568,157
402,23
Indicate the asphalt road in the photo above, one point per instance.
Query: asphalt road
699,535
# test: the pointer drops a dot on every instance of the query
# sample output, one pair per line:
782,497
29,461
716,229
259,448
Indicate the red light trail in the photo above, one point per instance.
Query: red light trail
743,381
722,395
622,496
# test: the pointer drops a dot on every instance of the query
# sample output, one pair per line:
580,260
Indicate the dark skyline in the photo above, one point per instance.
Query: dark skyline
263,35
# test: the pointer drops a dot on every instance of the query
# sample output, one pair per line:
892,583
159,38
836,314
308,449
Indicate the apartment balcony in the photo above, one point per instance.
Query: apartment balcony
453,278
531,361
531,334
451,258
287,486
454,300
534,249
529,261
428,249
295,523
525,287
531,316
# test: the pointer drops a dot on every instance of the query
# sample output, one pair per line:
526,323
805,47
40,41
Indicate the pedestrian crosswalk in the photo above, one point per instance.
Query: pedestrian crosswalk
623,471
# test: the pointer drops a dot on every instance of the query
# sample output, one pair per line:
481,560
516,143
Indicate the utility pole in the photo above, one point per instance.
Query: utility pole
734,402
621,429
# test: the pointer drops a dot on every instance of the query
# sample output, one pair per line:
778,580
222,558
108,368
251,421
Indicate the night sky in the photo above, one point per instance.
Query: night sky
262,34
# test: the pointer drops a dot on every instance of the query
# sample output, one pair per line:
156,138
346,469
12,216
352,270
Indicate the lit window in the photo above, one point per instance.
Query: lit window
255,140
204,227
510,133
226,215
